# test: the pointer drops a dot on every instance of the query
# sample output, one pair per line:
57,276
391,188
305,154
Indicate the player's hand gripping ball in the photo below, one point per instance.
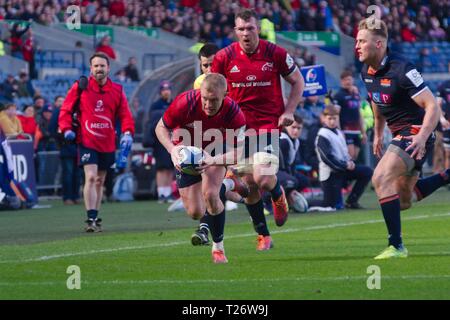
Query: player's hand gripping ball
190,160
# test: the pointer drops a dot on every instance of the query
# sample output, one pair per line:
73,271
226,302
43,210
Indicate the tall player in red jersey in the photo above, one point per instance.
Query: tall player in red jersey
209,109
253,67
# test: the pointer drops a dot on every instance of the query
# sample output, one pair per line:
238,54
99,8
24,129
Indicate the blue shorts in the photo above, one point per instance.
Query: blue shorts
353,138
104,160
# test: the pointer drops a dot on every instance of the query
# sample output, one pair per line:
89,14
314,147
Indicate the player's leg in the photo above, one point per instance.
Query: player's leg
405,187
192,198
89,190
213,191
99,183
387,172
255,208
264,174
89,159
446,139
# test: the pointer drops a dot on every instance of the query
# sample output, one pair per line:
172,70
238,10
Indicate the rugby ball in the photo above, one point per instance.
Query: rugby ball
190,160
298,202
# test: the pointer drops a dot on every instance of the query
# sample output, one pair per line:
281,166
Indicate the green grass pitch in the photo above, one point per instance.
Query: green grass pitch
145,253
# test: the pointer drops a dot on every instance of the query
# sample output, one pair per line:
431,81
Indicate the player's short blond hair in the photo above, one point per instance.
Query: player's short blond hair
213,81
375,26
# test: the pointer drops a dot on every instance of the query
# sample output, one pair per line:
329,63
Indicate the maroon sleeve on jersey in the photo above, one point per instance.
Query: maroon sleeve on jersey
218,65
284,61
175,114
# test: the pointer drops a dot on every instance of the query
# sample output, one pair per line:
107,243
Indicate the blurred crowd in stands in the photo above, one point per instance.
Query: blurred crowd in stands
212,20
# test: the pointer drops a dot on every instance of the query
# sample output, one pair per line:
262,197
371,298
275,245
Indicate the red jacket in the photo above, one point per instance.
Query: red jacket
28,124
100,107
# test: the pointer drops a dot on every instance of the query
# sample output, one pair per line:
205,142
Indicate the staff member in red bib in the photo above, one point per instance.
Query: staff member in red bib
102,103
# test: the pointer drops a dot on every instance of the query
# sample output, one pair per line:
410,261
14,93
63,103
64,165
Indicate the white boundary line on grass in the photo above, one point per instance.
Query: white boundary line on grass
207,281
171,244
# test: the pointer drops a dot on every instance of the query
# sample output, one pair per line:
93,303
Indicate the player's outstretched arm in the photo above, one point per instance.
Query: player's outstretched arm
295,79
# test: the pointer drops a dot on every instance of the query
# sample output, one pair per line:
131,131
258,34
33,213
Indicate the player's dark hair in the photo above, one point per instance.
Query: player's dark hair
346,73
208,50
375,26
99,55
246,15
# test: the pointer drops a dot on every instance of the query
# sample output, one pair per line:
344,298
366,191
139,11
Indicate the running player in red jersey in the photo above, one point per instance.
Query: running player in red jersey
253,67
209,109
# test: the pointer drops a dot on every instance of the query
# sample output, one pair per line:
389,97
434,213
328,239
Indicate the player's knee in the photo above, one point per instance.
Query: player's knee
194,211
265,182
91,179
379,180
405,204
211,197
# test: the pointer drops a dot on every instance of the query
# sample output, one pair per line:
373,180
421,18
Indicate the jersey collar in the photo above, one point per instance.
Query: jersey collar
371,71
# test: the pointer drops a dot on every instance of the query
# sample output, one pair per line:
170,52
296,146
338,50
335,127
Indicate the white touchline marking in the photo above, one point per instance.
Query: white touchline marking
172,244
206,281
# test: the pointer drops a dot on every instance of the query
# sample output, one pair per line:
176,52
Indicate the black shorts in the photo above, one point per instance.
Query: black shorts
163,161
186,180
399,144
353,138
104,160
446,134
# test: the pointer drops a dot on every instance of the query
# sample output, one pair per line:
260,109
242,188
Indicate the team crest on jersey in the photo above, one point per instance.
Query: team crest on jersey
235,69
99,106
268,66
385,82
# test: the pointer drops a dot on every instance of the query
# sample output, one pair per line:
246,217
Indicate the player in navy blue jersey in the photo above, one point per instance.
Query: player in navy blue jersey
444,102
400,97
351,120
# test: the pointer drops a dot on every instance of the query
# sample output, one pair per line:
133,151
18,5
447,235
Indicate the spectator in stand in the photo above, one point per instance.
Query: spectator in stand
10,88
28,121
424,63
436,32
407,32
9,123
16,39
24,86
105,47
71,173
131,70
44,141
117,8
39,103
28,51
